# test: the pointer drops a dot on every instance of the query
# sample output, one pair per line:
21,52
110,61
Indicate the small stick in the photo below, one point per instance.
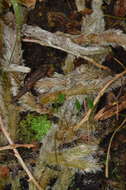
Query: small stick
12,146
89,59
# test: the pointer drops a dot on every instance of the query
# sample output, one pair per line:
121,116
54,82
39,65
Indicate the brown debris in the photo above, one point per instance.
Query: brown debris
120,8
111,109
30,83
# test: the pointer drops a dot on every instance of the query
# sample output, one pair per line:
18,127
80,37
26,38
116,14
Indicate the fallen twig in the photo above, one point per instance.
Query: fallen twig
63,42
12,146
59,41
109,37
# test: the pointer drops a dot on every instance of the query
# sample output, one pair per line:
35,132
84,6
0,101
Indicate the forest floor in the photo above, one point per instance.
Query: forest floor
55,16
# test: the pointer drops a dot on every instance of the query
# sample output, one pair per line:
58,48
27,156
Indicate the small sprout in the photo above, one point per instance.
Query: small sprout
59,101
78,105
61,98
89,103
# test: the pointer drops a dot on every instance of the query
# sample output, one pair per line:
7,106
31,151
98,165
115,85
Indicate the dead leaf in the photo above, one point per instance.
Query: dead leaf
4,171
28,3
120,8
111,109
86,11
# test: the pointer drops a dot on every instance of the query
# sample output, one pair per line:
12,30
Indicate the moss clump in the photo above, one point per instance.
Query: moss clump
33,128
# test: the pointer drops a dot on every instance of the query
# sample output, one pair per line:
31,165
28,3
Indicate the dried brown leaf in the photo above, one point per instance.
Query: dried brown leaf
111,109
120,8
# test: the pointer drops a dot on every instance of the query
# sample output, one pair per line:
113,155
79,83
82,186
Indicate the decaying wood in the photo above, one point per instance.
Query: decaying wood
110,37
42,37
86,80
94,23
59,41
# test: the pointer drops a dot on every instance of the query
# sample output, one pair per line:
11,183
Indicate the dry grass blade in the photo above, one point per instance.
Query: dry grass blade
119,62
109,147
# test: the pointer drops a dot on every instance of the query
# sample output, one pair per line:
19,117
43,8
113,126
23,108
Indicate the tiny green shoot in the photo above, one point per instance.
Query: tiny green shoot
89,102
59,101
78,105
60,98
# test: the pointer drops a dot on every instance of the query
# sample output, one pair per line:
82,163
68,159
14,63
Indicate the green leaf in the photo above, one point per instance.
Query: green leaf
89,103
61,98
78,105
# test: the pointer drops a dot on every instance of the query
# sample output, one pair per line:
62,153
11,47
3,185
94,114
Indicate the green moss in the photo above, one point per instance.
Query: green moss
33,128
